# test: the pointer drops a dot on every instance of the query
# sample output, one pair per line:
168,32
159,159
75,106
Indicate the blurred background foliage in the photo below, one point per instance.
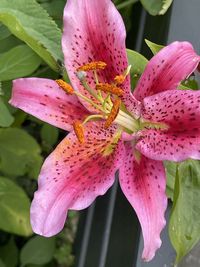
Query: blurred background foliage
30,33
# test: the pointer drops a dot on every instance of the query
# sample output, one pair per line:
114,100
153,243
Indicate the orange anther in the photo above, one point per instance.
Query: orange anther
79,131
65,86
113,113
96,65
106,87
119,79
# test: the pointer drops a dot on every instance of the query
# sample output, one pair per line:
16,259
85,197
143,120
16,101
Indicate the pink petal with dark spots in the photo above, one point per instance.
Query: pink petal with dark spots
93,31
44,99
144,186
73,176
132,105
170,145
167,69
179,109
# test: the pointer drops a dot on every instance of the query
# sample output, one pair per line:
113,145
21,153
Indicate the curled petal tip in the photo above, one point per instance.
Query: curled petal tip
149,255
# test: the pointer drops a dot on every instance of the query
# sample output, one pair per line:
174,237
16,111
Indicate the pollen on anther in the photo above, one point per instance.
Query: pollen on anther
79,131
65,86
119,79
113,113
96,65
106,87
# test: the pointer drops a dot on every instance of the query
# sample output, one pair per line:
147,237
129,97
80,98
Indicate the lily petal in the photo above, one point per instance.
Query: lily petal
94,31
170,145
132,105
167,69
44,99
144,184
179,109
74,175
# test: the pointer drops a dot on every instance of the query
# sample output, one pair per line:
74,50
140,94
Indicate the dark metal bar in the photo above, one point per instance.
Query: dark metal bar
140,36
106,234
86,235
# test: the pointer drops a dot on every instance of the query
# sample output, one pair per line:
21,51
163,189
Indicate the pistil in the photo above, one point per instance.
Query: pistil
127,121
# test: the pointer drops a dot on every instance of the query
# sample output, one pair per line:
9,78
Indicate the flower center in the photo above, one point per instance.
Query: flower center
107,102
105,99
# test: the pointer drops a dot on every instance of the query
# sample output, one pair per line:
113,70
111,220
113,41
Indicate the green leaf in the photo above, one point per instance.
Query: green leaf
38,250
4,32
55,9
2,263
138,63
189,84
9,253
19,61
27,20
155,48
6,119
14,208
19,152
8,43
170,168
126,3
49,135
184,227
156,7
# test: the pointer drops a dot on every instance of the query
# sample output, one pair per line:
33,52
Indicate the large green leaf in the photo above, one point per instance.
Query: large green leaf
170,168
4,32
18,62
49,136
2,264
155,48
156,7
38,250
14,208
9,43
19,153
9,253
184,227
124,3
138,63
6,119
27,20
55,9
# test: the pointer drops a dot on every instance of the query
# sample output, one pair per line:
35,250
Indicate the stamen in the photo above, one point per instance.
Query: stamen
106,87
65,86
93,118
119,79
79,131
96,65
113,113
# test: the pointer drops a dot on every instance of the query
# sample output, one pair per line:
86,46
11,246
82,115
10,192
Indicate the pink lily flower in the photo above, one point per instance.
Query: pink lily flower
110,128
